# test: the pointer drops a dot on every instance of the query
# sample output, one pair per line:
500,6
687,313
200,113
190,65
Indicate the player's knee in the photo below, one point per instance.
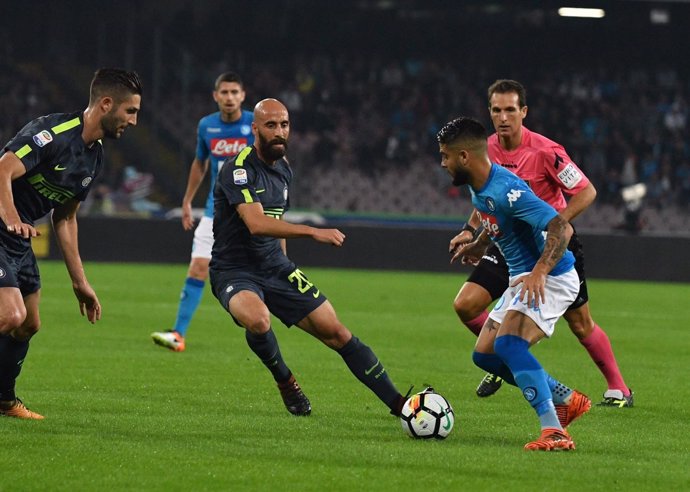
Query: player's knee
467,308
259,324
580,323
581,328
336,337
343,335
12,319
198,271
28,329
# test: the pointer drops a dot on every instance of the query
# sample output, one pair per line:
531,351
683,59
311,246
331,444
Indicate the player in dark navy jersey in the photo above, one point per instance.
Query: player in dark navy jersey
253,278
220,136
533,238
50,165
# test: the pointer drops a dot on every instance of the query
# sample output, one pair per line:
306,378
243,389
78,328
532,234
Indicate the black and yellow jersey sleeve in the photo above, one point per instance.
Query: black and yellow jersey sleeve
59,166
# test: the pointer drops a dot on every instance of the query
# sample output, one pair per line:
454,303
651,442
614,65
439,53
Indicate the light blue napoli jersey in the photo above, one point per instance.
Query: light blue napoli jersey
516,219
219,141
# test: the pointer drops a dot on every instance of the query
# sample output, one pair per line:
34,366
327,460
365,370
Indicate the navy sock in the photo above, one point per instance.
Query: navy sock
369,370
12,354
265,346
494,364
189,301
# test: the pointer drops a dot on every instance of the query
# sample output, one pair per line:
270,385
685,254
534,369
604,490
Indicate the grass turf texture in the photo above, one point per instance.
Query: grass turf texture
124,414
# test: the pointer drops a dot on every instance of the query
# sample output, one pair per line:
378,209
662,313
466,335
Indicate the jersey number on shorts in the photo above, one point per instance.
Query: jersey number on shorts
303,283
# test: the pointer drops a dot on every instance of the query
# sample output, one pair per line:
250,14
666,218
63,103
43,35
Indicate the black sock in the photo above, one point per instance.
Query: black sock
265,346
12,354
368,369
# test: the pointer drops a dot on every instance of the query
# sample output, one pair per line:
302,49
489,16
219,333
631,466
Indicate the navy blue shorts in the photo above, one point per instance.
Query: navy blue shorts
288,293
18,267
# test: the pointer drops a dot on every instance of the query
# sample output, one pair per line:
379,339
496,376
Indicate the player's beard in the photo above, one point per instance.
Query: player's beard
460,177
109,124
269,150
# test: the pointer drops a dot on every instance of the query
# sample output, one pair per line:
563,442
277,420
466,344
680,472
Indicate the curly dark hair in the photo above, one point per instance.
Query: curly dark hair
462,128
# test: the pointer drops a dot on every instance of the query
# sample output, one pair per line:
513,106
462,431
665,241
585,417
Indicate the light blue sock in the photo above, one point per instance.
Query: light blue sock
189,301
529,376
559,391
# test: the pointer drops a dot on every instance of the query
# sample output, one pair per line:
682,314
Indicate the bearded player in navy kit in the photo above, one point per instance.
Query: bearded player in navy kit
252,277
50,165
220,135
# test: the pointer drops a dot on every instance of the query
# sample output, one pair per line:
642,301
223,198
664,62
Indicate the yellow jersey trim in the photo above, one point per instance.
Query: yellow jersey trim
23,151
239,162
67,125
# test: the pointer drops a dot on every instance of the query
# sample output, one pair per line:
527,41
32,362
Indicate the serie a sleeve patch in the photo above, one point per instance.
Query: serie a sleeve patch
43,138
239,176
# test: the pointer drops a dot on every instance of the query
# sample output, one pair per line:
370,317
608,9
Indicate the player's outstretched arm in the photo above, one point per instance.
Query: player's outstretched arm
260,225
64,220
328,236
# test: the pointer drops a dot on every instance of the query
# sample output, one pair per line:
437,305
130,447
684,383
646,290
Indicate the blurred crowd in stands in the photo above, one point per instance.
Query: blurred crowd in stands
373,119
21,99
364,129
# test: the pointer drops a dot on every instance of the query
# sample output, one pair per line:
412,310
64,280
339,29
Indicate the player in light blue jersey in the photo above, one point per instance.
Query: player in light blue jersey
543,282
220,136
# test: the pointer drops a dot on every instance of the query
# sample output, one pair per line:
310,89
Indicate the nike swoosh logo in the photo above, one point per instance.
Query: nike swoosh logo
447,425
58,167
260,191
368,371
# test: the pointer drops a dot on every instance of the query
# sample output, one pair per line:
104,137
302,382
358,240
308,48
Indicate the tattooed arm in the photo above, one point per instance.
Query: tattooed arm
558,235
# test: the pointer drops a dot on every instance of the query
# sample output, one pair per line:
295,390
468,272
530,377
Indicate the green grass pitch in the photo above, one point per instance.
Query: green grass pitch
124,414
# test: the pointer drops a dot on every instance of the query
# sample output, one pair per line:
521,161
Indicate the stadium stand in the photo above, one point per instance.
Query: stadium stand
365,117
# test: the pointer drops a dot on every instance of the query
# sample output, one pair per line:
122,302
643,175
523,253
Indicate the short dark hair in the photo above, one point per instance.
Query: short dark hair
462,129
114,82
504,86
228,77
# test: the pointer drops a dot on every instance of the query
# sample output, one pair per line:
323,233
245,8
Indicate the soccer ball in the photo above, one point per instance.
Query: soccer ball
427,415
